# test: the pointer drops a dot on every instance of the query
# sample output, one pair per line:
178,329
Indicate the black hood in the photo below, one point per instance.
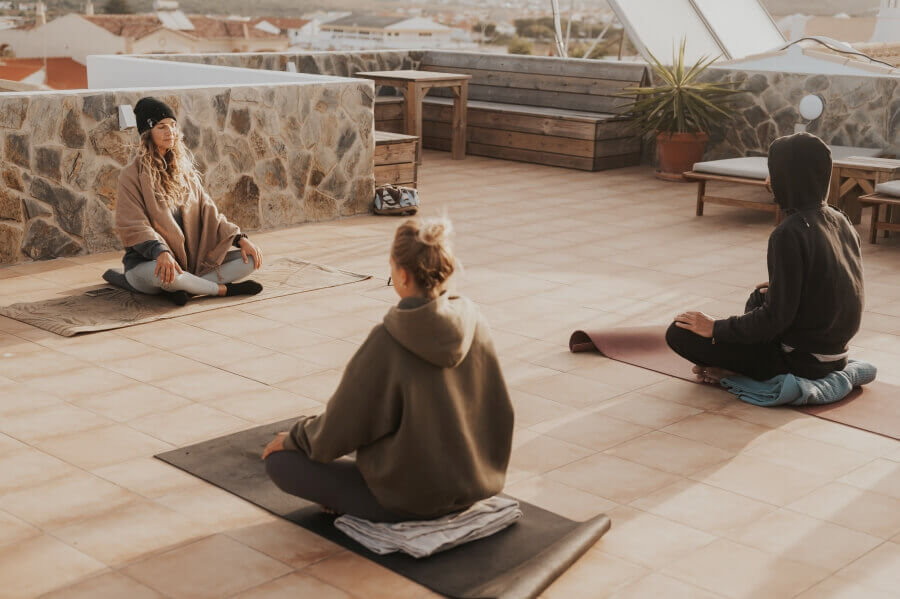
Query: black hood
800,171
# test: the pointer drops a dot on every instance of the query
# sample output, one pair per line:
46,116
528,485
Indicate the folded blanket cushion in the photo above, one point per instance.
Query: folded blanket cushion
421,538
889,188
787,389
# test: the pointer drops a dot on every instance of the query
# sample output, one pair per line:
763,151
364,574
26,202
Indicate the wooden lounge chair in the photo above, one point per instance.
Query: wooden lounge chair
887,195
753,170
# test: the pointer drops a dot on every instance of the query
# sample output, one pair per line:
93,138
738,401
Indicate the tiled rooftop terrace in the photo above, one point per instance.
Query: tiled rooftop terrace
708,497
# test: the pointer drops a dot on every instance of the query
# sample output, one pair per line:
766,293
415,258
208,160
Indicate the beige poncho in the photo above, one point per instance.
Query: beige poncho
140,217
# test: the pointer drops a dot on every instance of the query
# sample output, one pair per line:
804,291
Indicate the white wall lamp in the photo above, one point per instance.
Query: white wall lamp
811,107
126,117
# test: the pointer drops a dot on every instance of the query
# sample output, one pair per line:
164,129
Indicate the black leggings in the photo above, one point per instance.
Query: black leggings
759,361
338,485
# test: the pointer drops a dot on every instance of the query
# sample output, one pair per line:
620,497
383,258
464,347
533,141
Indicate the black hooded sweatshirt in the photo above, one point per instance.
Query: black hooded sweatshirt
815,298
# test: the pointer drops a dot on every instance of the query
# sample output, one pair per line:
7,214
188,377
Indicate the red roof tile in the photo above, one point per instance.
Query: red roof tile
17,69
133,26
138,26
62,73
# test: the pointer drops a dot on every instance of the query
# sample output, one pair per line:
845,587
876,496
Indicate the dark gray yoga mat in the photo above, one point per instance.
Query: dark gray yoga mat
517,563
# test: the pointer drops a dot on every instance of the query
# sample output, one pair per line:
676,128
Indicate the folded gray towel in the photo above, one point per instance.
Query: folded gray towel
421,538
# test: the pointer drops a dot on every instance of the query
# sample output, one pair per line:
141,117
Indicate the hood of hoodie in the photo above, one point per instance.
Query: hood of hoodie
439,331
800,171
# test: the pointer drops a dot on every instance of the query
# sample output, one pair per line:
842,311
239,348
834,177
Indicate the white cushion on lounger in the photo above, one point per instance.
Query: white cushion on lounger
752,167
891,188
757,167
840,152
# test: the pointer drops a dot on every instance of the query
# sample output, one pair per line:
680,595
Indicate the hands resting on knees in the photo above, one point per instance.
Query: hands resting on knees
167,268
703,324
250,249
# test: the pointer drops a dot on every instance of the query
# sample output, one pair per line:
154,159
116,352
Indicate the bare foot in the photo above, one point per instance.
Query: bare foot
329,511
711,375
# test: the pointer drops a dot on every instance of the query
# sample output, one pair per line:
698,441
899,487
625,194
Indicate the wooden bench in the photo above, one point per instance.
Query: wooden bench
395,159
876,201
754,171
703,198
560,112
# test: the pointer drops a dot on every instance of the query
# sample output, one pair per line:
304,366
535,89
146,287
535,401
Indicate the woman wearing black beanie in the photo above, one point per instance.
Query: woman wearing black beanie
176,241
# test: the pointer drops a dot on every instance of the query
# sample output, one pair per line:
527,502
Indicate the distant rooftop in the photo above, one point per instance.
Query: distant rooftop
367,21
138,26
62,72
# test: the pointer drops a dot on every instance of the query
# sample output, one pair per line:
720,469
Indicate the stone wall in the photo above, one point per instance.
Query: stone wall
271,156
859,111
339,64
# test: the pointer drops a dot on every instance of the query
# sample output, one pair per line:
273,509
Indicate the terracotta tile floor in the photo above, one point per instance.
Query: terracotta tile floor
709,497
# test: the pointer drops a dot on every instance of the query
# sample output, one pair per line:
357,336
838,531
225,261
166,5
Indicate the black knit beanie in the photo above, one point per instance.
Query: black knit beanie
149,111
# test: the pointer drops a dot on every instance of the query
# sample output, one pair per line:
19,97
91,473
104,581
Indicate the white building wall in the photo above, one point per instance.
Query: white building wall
70,35
115,72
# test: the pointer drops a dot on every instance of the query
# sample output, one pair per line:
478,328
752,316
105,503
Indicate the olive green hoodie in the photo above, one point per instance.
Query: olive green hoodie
424,405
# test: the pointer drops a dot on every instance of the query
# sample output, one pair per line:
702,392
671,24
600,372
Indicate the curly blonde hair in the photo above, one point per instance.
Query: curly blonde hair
171,174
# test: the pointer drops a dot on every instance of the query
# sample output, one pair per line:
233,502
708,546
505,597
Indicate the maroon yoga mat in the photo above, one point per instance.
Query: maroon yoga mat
875,408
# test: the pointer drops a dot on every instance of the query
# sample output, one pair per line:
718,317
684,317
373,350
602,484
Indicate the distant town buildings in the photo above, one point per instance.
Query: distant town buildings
877,36
79,35
883,27
370,31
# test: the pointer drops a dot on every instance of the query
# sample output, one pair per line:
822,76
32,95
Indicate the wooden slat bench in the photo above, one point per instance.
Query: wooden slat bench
560,112
395,159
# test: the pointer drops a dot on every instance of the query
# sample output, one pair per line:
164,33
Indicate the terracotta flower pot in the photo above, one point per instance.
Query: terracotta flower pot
678,152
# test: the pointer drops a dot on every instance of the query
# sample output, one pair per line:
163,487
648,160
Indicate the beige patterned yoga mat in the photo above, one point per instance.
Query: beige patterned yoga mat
108,307
874,408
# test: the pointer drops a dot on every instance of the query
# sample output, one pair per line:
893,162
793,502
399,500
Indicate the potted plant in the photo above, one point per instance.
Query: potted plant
680,110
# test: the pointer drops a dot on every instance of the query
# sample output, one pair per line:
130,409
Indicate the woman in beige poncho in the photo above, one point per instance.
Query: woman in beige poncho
176,241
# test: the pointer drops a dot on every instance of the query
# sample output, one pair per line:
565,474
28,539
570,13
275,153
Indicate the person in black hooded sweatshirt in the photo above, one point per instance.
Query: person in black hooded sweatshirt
802,320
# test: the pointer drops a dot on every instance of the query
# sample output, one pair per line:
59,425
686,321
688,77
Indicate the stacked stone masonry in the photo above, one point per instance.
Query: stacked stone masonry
271,157
859,111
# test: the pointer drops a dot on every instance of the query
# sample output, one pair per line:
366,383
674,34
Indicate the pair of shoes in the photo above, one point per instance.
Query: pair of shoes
179,298
249,287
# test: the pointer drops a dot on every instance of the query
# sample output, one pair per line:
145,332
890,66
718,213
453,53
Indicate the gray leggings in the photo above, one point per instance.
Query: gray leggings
142,277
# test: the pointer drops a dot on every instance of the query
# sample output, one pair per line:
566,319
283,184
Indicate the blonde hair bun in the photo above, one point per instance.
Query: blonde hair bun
422,247
434,231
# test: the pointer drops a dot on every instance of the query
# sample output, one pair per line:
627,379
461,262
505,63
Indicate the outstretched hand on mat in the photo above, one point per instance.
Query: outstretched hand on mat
276,444
696,322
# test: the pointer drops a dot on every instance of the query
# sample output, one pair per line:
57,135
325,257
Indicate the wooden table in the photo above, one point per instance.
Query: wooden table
856,176
414,85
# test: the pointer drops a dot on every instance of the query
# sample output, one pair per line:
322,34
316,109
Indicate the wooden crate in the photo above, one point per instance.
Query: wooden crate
389,114
395,159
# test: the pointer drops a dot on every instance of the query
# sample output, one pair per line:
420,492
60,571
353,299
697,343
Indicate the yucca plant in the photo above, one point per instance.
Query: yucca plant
680,103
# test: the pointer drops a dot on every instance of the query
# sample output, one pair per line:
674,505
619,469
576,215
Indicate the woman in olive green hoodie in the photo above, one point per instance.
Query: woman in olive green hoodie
423,404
